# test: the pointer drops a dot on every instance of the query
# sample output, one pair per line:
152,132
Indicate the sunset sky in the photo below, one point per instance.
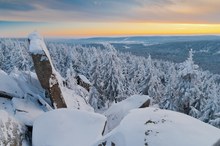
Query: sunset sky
88,18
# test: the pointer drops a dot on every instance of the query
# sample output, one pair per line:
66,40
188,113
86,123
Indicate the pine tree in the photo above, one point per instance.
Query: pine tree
113,85
156,88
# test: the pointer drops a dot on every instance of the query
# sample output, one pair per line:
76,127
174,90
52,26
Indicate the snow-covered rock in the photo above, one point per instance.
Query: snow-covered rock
84,82
84,79
28,82
65,127
9,86
12,132
49,78
156,127
5,104
75,101
217,143
26,110
119,110
37,45
27,100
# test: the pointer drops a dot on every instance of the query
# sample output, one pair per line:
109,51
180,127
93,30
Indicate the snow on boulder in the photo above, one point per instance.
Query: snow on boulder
156,127
37,45
9,86
28,82
27,110
84,82
75,101
5,104
11,131
65,127
119,110
84,79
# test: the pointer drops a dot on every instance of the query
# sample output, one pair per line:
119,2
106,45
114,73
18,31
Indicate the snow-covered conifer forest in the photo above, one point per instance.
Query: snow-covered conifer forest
115,76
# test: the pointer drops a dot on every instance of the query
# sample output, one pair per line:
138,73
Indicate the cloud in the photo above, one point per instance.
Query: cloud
179,11
150,3
183,11
17,23
66,10
16,5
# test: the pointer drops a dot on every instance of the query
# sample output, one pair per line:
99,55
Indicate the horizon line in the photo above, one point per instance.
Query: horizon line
113,36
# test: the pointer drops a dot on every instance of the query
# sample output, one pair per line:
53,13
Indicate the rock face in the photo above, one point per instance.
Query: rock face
45,70
55,93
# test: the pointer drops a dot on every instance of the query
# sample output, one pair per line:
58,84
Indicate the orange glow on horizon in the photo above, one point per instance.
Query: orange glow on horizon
92,29
117,29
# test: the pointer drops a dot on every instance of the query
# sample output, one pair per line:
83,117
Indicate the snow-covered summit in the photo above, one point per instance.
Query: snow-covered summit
156,127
